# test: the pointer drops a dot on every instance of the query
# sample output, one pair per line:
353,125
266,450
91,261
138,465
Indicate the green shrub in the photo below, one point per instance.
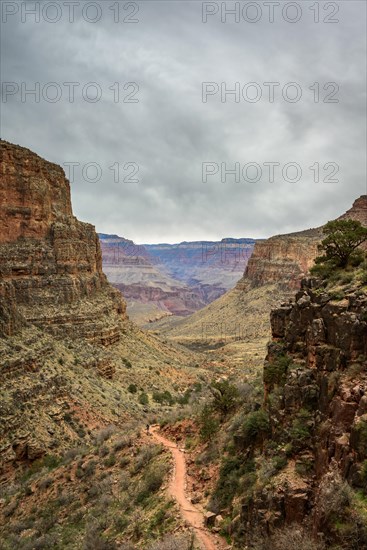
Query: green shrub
185,398
110,461
337,295
300,430
236,474
279,462
225,396
163,397
255,427
132,388
275,372
151,483
143,399
208,424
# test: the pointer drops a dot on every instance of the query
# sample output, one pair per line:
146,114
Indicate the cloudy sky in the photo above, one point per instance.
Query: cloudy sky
144,134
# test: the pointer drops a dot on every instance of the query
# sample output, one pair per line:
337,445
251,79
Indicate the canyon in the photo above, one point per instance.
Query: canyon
77,375
163,280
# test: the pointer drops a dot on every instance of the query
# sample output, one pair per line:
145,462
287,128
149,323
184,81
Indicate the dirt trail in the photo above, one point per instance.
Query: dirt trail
177,489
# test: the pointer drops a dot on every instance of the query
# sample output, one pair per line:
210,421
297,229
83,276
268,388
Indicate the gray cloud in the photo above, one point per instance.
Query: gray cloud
171,132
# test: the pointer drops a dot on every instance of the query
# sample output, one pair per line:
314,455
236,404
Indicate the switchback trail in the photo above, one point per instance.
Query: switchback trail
177,489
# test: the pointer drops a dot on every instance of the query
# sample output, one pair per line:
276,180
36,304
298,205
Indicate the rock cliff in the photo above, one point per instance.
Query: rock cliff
315,380
50,263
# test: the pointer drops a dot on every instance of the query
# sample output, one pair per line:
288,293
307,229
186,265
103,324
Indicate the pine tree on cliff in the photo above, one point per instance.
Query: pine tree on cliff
342,239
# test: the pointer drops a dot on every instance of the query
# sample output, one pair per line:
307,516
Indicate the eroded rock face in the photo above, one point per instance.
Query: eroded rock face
50,263
284,259
322,401
34,193
358,211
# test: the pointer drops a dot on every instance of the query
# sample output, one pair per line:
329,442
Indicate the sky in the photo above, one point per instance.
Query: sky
192,120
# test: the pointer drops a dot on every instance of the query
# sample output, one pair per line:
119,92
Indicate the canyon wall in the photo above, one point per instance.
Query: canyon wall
50,263
283,259
315,379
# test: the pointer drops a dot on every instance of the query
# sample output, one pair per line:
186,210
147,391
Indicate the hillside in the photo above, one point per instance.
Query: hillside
68,350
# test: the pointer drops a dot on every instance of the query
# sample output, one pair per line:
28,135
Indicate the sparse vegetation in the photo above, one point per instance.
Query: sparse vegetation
163,397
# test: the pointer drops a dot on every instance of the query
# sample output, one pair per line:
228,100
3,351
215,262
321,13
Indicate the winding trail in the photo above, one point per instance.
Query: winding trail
177,489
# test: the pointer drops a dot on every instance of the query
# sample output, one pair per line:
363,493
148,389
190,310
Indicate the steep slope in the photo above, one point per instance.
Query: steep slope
68,352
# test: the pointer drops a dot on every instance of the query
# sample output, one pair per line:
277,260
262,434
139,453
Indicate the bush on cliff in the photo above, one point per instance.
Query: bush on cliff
342,238
275,372
256,427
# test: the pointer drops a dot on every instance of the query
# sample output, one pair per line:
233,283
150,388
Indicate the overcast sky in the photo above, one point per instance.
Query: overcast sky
169,132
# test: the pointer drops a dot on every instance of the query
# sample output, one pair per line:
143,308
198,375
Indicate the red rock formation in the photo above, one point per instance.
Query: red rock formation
358,211
50,263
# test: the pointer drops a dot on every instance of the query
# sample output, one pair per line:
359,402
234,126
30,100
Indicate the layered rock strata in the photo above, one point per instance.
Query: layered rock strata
50,263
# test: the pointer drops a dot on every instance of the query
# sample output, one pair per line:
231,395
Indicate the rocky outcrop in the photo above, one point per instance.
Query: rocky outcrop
50,263
315,380
283,259
358,211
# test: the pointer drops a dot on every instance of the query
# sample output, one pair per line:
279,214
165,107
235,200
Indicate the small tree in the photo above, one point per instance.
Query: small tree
342,239
209,425
224,396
